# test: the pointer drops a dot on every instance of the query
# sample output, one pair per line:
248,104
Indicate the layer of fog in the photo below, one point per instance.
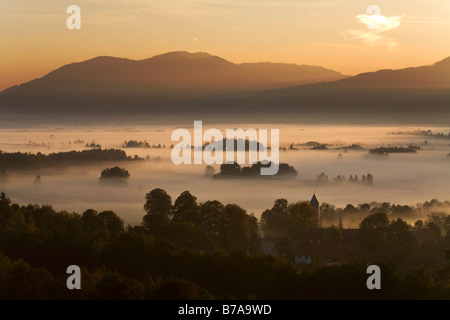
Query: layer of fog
399,179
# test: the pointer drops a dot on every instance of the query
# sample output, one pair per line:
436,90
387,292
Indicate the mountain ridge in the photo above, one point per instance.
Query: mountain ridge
174,70
183,84
436,75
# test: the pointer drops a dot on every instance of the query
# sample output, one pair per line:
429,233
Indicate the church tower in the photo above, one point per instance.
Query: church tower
315,204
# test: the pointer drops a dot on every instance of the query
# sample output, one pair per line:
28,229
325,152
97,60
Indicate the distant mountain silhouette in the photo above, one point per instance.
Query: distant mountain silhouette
175,70
433,76
182,83
420,94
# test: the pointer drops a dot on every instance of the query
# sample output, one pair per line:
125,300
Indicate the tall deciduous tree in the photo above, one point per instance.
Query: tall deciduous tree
373,229
158,206
212,217
301,218
276,220
185,208
159,201
238,227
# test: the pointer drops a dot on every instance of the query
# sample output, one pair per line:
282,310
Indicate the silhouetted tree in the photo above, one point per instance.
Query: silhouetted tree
373,230
185,208
350,209
301,217
369,178
322,178
111,222
158,206
364,207
156,222
275,221
91,222
434,229
115,172
418,224
5,209
328,212
212,218
398,233
241,231
158,200
230,169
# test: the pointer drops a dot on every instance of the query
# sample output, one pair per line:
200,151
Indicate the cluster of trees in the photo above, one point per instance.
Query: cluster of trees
19,160
393,240
354,147
435,210
154,159
207,225
286,221
234,170
313,144
382,234
136,144
365,179
376,232
291,147
387,150
224,144
156,260
427,133
114,172
93,144
141,144
320,146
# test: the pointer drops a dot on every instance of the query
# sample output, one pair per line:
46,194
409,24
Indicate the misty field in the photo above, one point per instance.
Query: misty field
398,178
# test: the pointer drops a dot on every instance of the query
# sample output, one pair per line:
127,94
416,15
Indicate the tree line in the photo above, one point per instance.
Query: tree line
365,179
234,170
19,160
186,250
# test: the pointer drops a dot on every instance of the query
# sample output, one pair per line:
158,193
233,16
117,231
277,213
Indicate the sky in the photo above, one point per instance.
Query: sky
342,35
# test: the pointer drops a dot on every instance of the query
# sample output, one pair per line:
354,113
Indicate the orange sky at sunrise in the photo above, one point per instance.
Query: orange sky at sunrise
34,39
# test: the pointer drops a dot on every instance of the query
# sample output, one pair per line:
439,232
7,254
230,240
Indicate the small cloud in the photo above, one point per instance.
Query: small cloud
376,25
370,39
381,23
196,39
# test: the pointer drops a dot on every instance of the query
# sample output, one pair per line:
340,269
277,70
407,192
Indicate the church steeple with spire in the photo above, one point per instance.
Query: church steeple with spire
315,204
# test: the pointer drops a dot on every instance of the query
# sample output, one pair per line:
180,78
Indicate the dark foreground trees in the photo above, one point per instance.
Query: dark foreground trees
205,253
206,225
286,220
